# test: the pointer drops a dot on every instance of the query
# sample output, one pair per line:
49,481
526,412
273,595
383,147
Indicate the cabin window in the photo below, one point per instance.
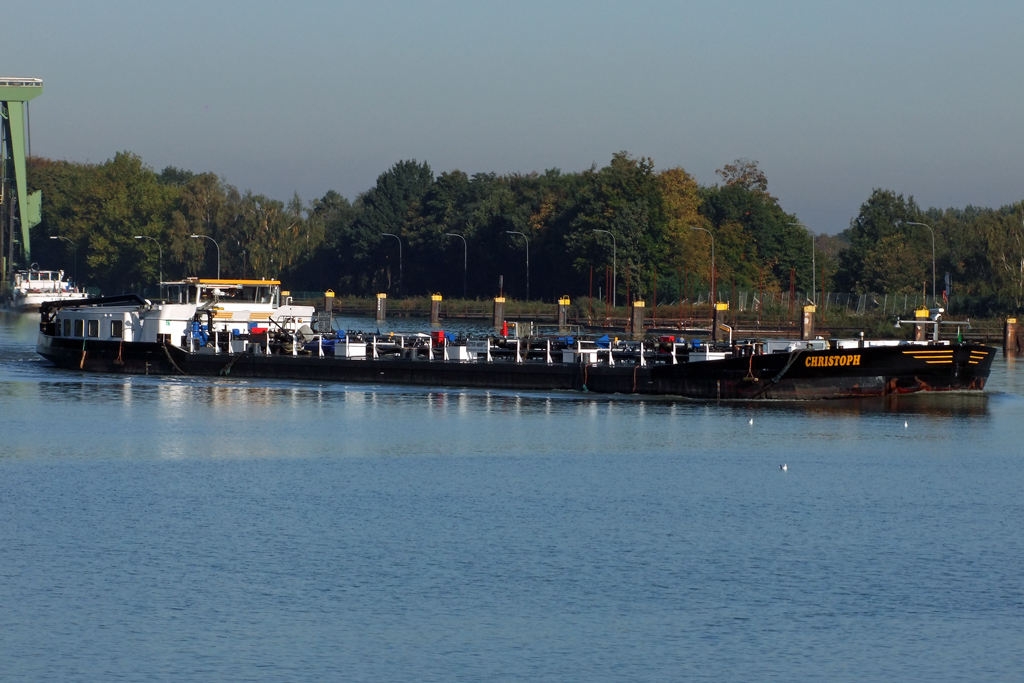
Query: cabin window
163,338
93,328
67,327
79,328
117,328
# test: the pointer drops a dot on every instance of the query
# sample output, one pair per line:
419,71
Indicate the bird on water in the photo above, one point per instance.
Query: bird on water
784,467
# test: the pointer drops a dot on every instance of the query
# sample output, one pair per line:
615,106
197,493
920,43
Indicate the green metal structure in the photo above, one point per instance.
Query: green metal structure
18,204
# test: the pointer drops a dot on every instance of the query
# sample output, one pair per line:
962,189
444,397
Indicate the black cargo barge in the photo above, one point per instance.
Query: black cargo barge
803,373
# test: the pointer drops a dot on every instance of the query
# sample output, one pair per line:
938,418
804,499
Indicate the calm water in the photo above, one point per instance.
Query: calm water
179,530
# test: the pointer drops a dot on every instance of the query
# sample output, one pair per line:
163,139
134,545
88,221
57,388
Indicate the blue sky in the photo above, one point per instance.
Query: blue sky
832,98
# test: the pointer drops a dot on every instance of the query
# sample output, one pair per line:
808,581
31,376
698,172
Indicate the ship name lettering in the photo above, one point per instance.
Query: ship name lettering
832,361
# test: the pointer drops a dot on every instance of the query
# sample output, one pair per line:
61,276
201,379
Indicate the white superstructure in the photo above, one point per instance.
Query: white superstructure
195,312
30,288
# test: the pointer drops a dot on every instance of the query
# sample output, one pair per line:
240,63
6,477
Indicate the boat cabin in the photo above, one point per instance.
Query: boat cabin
40,281
194,308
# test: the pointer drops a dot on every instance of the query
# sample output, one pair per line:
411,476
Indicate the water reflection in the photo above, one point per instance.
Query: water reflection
72,387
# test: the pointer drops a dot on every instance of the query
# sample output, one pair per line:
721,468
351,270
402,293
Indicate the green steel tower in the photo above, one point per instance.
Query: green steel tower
18,206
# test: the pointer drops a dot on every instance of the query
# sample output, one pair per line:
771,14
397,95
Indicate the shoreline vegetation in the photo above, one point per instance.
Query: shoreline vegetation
625,223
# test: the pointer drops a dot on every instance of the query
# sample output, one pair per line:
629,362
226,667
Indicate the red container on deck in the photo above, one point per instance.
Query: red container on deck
438,337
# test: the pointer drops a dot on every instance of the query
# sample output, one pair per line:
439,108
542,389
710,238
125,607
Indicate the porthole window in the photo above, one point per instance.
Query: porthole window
79,328
117,328
93,327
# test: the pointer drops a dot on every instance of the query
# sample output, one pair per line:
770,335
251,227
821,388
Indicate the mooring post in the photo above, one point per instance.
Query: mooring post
563,314
1011,338
718,317
807,322
499,312
636,321
435,309
382,307
328,308
920,318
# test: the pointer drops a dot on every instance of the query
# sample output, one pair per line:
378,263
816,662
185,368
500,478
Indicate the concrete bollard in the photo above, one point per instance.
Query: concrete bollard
563,314
499,312
1012,345
435,309
636,320
718,318
807,322
382,307
920,317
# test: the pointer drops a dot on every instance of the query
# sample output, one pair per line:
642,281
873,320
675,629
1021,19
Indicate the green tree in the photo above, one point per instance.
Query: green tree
385,208
759,240
623,198
884,215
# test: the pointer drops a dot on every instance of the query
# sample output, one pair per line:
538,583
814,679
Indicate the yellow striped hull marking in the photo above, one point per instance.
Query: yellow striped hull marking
935,357
977,356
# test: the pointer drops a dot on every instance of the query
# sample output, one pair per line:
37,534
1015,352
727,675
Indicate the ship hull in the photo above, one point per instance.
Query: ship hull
801,375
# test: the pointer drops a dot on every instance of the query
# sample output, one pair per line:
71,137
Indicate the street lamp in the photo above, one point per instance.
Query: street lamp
934,300
713,292
214,244
516,232
814,282
388,234
614,275
160,282
465,252
74,248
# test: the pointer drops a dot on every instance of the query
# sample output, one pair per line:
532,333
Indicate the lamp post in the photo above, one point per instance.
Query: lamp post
614,275
934,300
160,282
214,244
814,282
388,234
465,252
714,294
516,232
74,248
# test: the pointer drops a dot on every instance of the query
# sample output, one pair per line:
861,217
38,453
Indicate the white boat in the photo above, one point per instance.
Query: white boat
31,288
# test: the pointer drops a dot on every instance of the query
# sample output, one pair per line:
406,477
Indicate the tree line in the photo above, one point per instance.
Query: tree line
574,226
